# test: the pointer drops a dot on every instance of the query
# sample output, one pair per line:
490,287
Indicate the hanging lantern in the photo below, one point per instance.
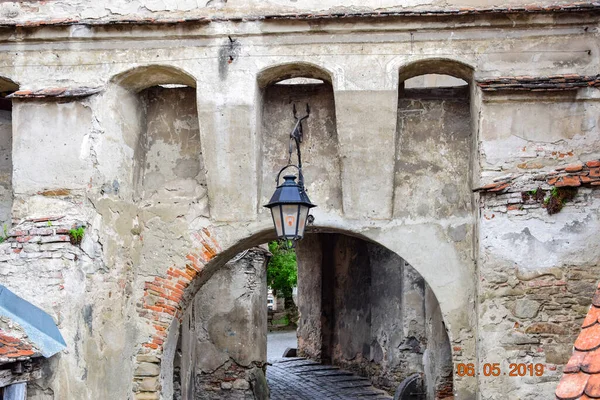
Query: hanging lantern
290,204
289,207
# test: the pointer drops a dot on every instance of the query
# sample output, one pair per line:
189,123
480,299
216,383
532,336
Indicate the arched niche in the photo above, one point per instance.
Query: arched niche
160,121
432,177
277,73
281,88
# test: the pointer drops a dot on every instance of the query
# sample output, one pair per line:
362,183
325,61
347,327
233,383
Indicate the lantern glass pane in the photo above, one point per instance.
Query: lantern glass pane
302,220
290,220
276,214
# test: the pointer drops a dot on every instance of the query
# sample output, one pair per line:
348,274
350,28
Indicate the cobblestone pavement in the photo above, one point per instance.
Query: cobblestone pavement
302,379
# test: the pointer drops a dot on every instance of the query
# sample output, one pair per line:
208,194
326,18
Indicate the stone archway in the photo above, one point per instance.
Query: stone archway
440,248
166,297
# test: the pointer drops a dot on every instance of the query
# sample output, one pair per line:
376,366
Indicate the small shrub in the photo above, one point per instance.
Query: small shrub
76,235
558,197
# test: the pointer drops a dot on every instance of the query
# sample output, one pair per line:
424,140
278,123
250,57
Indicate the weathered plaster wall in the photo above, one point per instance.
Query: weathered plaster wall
538,271
6,196
223,347
433,157
137,278
173,167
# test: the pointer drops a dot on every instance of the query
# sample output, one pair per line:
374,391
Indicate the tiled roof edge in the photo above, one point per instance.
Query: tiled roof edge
541,83
55,93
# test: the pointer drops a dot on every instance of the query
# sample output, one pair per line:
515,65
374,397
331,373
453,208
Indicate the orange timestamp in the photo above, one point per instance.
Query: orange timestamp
494,369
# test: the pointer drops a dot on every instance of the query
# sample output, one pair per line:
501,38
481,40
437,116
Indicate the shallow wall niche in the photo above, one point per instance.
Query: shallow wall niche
6,192
170,156
159,122
320,157
433,144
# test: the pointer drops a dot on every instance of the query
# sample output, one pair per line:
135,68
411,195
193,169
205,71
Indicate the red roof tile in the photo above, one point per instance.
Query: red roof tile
591,318
14,348
592,389
566,176
572,386
587,7
582,372
589,338
574,364
591,362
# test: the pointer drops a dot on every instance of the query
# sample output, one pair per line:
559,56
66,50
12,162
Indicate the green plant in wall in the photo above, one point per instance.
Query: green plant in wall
5,233
76,235
558,197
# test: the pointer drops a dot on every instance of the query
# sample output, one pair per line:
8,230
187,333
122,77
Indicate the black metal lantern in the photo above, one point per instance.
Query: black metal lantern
289,207
290,204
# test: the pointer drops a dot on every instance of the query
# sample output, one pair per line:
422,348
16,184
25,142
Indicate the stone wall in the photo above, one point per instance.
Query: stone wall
78,118
538,270
309,254
222,349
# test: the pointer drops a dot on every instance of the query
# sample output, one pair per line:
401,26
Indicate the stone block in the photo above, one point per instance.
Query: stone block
241,384
147,369
149,358
558,354
148,384
546,327
147,396
525,308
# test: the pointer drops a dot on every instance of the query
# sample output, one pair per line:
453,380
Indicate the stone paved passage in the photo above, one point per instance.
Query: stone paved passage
301,379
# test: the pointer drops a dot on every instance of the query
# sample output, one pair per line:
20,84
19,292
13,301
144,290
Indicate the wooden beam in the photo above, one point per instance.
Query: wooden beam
8,377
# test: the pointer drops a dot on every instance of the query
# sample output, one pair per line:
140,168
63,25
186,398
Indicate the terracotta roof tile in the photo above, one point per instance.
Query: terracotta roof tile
592,317
582,372
596,298
592,389
572,386
16,348
587,7
589,338
55,92
574,364
591,362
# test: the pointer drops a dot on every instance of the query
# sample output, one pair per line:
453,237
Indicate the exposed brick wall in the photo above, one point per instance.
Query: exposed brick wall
164,300
39,238
518,194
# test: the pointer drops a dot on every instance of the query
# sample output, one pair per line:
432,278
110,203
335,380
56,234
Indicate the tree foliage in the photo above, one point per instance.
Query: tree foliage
282,270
